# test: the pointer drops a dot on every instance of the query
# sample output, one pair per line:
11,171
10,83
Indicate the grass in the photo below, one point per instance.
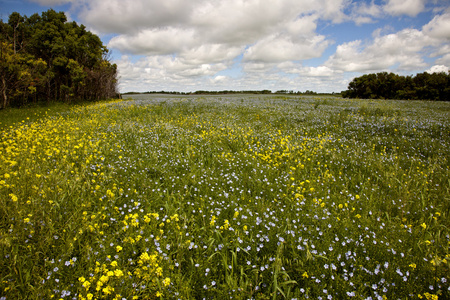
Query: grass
243,197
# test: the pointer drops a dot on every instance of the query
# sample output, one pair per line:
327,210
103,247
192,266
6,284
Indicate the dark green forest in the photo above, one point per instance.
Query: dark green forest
423,86
46,58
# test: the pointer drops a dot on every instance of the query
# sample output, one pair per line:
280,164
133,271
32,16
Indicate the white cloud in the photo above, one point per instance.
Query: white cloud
155,41
402,50
369,9
210,53
119,16
333,9
438,69
364,12
190,43
439,27
445,60
404,7
321,71
278,48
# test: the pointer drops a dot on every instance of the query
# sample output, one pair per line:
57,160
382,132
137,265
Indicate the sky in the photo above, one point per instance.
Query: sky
298,45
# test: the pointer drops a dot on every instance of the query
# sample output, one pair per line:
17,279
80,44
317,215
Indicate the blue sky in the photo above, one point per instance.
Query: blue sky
320,45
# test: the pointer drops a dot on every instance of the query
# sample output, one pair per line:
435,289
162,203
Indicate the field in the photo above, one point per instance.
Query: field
232,197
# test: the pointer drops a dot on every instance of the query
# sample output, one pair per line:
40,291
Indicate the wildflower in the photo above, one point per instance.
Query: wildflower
13,197
166,282
413,265
226,224
423,225
108,290
305,275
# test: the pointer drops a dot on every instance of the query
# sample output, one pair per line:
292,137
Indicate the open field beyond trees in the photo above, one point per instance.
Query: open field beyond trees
243,197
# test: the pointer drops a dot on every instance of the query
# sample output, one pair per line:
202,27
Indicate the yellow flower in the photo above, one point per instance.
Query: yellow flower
13,197
226,224
86,285
305,275
158,294
107,290
104,279
166,281
413,265
423,225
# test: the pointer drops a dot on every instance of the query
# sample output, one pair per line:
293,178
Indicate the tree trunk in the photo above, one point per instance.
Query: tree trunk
4,96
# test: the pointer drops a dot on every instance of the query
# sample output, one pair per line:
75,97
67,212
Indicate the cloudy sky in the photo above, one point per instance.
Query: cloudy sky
319,45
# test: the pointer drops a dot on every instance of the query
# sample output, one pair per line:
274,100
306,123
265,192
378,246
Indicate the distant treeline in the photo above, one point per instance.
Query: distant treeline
47,58
423,86
225,92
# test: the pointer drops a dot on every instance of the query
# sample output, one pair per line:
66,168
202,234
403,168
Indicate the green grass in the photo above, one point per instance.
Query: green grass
218,197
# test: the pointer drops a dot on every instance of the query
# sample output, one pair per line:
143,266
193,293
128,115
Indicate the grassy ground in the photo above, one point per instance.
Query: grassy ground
243,197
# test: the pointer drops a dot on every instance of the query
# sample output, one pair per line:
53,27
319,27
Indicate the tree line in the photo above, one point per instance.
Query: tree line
422,86
46,58
226,92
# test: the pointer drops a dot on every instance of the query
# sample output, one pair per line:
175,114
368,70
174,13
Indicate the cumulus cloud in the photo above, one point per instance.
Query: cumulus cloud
405,7
126,17
364,12
213,31
278,48
190,43
210,53
402,50
155,41
438,69
439,27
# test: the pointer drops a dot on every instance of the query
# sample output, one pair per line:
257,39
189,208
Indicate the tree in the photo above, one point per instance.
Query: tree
46,57
385,85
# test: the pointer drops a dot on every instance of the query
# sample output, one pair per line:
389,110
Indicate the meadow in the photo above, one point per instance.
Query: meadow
232,197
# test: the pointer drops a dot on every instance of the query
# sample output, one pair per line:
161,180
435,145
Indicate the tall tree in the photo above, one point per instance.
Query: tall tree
46,57
385,85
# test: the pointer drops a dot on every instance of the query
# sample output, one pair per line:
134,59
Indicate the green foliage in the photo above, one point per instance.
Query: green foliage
47,58
385,85
248,197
